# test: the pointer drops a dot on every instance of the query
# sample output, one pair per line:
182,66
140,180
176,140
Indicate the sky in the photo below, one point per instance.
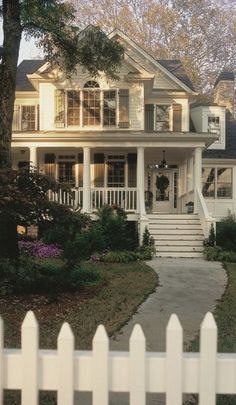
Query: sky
28,50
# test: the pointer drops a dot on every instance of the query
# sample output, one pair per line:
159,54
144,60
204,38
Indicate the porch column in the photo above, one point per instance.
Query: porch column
86,180
33,157
197,175
140,179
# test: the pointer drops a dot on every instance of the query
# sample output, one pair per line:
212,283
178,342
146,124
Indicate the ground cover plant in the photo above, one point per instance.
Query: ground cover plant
225,316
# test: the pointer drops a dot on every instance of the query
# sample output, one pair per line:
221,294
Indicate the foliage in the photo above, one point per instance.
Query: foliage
226,233
211,241
147,238
173,29
39,249
216,253
25,276
145,252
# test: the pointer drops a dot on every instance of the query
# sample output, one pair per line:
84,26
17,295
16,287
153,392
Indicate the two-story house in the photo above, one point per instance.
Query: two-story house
129,143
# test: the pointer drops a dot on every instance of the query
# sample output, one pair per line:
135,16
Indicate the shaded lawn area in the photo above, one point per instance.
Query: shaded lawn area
225,316
112,302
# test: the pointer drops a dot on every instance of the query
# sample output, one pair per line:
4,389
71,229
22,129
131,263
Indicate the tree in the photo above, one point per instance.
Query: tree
52,24
202,34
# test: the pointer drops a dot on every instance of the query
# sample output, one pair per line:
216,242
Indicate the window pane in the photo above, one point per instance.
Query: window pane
224,183
109,109
116,174
28,118
208,182
73,107
91,108
162,117
66,172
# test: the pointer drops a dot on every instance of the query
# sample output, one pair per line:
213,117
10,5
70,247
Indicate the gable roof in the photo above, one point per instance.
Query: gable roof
225,76
26,67
176,68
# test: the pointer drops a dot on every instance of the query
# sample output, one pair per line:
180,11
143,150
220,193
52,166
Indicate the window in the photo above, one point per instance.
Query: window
28,118
116,174
91,84
162,118
91,107
66,172
213,124
109,108
217,182
73,107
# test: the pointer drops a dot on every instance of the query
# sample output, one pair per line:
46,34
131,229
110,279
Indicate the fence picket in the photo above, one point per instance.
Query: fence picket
137,367
65,345
174,360
29,348
1,360
100,367
207,369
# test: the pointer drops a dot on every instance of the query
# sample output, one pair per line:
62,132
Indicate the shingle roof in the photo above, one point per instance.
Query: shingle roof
225,76
176,68
230,148
30,66
27,67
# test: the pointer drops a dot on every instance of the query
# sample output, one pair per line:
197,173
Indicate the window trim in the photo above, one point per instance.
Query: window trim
35,115
225,199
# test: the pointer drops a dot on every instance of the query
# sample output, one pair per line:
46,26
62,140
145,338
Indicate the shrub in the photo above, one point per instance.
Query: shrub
216,253
39,249
226,233
147,238
24,276
145,252
118,257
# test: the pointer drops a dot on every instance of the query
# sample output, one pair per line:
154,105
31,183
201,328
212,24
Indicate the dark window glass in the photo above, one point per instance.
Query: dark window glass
208,182
66,172
224,183
28,118
109,108
91,108
116,174
73,107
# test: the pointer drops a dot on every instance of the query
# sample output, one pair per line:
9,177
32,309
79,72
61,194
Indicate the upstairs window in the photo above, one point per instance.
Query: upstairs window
73,107
109,108
214,124
162,118
91,107
91,84
28,118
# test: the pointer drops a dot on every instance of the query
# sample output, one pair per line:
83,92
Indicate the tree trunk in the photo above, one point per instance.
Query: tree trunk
12,36
11,44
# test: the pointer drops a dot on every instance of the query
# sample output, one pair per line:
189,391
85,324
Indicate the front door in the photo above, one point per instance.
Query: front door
163,191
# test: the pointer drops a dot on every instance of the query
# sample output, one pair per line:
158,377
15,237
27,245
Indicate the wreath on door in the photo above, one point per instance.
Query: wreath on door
162,184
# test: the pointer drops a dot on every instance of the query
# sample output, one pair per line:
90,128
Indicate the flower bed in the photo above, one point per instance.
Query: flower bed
39,249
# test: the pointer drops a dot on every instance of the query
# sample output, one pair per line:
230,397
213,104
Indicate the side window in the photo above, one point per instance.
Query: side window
162,117
28,118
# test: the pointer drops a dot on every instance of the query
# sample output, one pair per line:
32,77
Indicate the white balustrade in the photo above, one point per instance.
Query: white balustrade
101,371
125,198
205,218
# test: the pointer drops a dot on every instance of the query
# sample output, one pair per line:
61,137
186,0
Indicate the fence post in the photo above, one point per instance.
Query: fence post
174,361
137,371
207,369
1,359
29,349
65,352
100,367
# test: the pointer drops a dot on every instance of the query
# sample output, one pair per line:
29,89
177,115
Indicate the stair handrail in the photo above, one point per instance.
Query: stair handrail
205,217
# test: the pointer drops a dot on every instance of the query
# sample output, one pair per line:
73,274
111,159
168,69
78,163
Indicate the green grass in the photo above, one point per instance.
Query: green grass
112,302
225,316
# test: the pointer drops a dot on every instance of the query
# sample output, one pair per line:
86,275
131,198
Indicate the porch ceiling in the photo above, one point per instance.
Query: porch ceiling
172,156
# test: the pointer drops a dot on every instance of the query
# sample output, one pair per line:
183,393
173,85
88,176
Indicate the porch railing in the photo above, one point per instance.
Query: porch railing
125,198
205,217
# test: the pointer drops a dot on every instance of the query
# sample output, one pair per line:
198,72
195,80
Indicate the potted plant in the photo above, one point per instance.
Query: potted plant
190,207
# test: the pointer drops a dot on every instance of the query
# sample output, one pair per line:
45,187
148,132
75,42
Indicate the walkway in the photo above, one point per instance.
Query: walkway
189,288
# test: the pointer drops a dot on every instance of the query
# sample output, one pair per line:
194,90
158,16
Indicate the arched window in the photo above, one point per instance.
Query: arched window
91,84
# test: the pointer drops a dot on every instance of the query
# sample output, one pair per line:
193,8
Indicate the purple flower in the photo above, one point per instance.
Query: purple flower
39,249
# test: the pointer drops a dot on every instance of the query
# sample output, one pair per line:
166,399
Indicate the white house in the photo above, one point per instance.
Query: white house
129,143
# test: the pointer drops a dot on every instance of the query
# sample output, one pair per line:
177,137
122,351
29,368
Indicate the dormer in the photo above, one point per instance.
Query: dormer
210,118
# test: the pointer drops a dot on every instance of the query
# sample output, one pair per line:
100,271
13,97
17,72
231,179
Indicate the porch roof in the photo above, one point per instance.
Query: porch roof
113,138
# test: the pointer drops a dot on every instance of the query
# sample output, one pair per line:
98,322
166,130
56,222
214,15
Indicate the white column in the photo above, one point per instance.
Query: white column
86,180
197,175
33,157
140,179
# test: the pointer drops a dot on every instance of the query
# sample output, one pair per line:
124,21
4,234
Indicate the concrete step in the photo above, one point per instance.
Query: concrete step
177,249
180,254
173,226
171,236
181,243
175,221
172,216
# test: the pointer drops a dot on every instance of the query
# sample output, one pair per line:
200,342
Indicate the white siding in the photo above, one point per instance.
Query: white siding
46,115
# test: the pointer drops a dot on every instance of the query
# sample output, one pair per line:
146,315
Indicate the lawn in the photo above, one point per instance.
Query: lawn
225,316
112,302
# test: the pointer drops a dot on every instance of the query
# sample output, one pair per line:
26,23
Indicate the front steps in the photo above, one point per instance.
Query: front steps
177,235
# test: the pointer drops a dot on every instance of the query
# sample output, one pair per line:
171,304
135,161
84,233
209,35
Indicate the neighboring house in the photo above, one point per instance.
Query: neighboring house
128,143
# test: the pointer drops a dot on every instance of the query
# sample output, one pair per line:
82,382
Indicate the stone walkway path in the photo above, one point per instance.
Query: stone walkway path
189,288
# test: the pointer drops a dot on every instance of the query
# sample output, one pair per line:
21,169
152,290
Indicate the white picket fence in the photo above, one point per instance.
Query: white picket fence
66,370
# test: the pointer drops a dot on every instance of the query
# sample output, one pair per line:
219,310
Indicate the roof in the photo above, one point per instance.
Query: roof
30,66
176,68
225,76
26,67
230,148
